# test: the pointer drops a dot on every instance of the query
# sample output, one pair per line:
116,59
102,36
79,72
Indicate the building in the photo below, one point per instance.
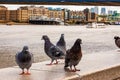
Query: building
102,18
22,14
3,14
13,15
56,13
96,10
87,14
3,8
92,10
103,11
49,13
114,12
116,17
110,12
93,17
32,12
76,16
37,11
90,17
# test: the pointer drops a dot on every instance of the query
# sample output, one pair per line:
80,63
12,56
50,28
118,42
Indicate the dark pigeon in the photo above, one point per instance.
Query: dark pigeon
117,41
51,50
62,44
24,60
73,56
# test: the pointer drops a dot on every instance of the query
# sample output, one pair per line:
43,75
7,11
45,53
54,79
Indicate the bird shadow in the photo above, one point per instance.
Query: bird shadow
118,50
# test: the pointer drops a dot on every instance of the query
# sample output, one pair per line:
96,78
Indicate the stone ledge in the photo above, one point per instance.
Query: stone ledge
107,74
95,66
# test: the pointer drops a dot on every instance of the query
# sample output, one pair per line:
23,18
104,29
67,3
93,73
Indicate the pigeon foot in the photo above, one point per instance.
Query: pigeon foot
72,70
27,73
77,69
56,63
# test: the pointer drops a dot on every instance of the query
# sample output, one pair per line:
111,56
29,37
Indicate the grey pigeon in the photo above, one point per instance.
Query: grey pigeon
117,41
51,50
73,56
62,44
24,60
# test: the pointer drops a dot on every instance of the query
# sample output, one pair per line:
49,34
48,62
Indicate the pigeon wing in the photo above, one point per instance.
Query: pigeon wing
56,52
17,59
67,58
61,44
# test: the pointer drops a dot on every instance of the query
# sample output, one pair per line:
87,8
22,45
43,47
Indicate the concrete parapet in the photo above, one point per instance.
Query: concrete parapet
98,66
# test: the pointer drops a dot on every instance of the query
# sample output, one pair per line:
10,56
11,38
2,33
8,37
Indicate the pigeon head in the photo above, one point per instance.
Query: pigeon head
62,35
116,37
25,48
45,37
79,41
76,47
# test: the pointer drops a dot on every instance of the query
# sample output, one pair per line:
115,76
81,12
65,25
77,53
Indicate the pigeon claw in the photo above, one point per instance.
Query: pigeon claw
27,73
72,70
56,63
77,69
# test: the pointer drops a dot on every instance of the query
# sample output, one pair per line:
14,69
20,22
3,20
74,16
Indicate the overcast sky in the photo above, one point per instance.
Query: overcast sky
71,7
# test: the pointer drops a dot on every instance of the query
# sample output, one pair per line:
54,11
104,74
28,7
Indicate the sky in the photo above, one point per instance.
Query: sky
71,7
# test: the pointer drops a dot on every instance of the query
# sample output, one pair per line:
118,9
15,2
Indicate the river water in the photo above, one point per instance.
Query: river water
14,37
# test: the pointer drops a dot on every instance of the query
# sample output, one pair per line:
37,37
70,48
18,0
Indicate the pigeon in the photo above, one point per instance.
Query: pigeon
62,44
24,60
51,50
73,56
117,41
